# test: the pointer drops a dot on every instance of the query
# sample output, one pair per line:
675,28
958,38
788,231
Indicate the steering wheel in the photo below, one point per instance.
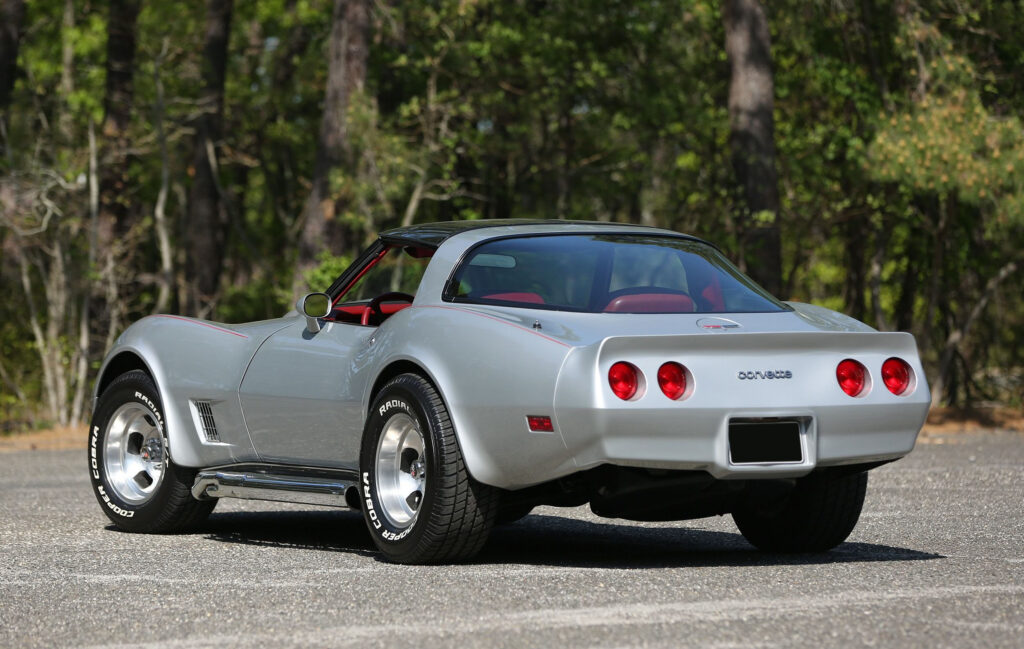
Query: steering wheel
374,305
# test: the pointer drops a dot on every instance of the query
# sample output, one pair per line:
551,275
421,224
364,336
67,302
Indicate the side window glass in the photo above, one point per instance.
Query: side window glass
396,272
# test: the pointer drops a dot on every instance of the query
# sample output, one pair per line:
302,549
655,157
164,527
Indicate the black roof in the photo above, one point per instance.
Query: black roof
434,234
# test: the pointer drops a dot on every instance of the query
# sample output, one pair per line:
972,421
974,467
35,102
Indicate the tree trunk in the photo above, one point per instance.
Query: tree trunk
935,274
652,195
165,280
115,214
752,138
81,356
346,74
207,231
12,25
877,263
117,118
853,285
957,335
67,70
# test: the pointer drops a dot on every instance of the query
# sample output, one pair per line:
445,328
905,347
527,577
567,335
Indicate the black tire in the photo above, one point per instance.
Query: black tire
450,515
817,516
166,503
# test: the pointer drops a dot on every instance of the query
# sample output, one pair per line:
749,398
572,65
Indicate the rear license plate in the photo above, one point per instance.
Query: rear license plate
767,441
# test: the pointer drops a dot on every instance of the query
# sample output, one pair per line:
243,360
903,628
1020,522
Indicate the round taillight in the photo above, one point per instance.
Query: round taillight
672,380
624,380
852,377
896,375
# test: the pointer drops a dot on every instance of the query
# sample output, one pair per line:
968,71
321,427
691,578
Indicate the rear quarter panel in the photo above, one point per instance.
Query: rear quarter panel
492,369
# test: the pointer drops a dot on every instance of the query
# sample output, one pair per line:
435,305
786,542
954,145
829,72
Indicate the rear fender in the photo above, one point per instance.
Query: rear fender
487,405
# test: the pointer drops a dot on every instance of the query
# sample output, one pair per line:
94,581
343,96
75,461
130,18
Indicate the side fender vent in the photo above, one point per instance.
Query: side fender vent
205,413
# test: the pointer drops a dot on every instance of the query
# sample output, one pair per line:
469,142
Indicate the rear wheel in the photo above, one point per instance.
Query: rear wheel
137,485
419,502
817,516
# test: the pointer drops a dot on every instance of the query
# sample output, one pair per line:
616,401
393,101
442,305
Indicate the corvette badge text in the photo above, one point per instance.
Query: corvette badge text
768,374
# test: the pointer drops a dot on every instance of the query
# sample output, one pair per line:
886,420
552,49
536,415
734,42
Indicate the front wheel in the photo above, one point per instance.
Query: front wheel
137,485
817,516
419,502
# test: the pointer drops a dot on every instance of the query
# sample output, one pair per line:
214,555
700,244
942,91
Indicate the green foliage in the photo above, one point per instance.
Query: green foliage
897,126
328,268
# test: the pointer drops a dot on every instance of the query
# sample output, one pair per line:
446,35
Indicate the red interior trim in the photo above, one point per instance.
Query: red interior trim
391,309
713,294
650,303
351,309
532,298
366,269
356,310
419,252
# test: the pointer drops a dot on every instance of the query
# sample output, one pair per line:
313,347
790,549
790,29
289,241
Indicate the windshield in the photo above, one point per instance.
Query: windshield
610,273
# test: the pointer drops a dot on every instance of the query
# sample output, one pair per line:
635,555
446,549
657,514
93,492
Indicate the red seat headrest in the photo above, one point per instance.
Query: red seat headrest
651,303
532,298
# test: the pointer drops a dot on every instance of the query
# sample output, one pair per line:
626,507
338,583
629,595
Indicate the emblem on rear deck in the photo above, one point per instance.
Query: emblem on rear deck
717,324
753,375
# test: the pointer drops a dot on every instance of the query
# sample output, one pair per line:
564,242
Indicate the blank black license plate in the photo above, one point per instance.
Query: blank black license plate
769,441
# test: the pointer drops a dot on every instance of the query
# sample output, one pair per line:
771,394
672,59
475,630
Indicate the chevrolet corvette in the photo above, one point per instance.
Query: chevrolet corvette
459,374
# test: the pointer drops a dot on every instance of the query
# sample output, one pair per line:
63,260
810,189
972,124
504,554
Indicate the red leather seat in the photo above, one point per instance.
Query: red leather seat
651,303
713,294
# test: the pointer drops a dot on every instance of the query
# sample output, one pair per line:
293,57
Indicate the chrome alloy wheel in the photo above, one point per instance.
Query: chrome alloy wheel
134,455
401,470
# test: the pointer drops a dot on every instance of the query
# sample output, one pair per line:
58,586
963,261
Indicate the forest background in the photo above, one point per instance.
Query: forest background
216,158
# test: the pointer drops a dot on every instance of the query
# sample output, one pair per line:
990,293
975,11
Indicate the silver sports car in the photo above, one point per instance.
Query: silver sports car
459,374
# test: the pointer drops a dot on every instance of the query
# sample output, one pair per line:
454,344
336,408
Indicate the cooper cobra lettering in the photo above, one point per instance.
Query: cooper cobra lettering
372,513
117,510
93,461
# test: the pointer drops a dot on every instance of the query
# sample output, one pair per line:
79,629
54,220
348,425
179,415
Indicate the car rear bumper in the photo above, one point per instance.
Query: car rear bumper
698,439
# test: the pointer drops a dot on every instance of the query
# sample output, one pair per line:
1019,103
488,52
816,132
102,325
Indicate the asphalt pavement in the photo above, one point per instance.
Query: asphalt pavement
936,561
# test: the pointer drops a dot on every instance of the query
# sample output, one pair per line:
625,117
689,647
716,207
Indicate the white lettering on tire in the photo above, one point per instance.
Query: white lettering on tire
371,513
93,461
152,406
117,510
94,465
393,403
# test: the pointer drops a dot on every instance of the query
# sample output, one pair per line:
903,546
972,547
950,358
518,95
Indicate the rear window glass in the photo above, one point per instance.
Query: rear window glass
612,273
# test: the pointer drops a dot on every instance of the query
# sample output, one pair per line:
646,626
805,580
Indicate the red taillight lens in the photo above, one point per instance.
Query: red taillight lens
624,379
672,380
896,375
540,424
852,377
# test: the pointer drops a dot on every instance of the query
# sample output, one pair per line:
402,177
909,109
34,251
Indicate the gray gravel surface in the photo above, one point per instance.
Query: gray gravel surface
937,560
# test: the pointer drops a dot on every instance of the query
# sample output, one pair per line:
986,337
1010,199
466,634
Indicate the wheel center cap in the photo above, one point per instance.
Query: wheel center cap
416,469
152,451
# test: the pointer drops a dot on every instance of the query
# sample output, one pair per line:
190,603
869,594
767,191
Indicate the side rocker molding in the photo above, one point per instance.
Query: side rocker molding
303,485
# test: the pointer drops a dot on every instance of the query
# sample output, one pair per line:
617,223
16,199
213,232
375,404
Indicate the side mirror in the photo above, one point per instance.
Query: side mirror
314,306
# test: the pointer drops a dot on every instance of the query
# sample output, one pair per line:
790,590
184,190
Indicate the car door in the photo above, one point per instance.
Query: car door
298,398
